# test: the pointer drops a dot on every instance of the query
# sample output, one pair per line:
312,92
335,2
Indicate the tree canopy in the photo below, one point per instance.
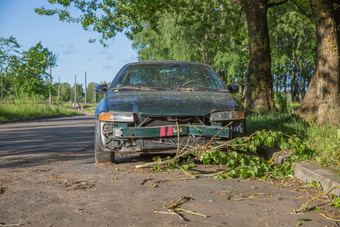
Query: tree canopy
263,45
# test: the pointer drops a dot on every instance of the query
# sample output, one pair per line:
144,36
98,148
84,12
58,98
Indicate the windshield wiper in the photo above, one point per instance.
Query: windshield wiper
191,88
135,88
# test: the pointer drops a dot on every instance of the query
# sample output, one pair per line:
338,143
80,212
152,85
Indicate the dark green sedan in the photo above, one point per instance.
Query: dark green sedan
163,106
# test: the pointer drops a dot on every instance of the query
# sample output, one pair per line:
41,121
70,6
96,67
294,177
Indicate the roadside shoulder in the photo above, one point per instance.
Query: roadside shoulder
307,172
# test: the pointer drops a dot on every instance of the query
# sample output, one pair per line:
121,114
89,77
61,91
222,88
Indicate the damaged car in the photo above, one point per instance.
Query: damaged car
163,106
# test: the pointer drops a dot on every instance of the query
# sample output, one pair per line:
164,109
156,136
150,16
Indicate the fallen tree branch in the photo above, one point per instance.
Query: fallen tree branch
186,172
166,162
305,205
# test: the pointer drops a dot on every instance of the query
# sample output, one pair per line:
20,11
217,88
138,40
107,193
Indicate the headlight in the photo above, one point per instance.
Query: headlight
227,116
116,117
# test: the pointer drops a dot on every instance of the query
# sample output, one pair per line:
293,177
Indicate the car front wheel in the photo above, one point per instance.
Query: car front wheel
101,154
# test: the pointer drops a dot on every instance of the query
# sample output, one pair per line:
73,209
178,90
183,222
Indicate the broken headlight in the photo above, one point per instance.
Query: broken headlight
116,117
227,116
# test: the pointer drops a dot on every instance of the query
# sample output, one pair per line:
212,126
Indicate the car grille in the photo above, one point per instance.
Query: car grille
146,121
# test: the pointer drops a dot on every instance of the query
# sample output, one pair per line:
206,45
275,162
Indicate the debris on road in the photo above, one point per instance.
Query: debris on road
73,185
176,207
145,180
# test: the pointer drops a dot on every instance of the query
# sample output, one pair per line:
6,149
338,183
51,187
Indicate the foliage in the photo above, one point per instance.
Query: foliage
217,32
324,140
188,35
29,110
244,162
241,159
24,73
335,201
293,43
281,102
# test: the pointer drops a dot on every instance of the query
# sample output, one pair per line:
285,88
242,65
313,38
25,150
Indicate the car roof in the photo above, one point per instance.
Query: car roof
167,62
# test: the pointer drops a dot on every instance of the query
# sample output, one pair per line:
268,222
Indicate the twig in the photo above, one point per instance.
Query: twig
218,133
177,136
183,149
169,212
192,212
230,194
165,162
186,172
213,174
178,214
20,223
228,143
176,207
162,212
329,218
304,206
145,180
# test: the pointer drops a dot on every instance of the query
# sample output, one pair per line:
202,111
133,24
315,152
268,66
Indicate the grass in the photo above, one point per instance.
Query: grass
323,139
28,111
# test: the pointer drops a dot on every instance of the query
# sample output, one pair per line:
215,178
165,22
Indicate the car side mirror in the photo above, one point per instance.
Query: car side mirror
101,88
233,88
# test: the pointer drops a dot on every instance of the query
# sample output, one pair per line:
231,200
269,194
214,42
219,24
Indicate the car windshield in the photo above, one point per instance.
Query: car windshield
168,75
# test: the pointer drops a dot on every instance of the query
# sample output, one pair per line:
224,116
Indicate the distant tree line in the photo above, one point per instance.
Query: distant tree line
26,74
66,93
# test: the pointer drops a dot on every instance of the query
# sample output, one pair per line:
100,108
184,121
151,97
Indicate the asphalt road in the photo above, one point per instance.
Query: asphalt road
48,178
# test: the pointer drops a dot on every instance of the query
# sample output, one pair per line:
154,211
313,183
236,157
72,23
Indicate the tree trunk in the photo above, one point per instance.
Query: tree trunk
301,81
337,22
303,84
293,81
285,84
277,83
259,93
321,102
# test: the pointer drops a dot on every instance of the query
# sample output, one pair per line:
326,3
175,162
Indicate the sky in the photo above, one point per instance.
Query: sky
69,41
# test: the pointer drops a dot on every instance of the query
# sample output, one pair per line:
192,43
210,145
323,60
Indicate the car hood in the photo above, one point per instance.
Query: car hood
170,103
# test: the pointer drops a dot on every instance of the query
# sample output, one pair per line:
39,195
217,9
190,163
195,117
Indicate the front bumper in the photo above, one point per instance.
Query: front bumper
171,131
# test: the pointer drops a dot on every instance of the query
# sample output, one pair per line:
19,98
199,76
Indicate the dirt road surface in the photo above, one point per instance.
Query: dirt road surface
48,178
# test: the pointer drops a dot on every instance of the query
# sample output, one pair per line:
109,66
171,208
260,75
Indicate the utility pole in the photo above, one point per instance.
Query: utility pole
85,88
50,95
59,90
75,88
94,93
1,97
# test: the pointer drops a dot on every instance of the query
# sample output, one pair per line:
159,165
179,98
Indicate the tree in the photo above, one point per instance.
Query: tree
90,90
322,99
33,70
8,49
293,46
111,17
200,33
65,92
24,73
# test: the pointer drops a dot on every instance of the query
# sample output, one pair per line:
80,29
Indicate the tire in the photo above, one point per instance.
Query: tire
101,155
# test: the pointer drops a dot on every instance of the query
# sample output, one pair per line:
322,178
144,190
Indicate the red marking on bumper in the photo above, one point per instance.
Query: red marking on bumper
162,131
170,131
